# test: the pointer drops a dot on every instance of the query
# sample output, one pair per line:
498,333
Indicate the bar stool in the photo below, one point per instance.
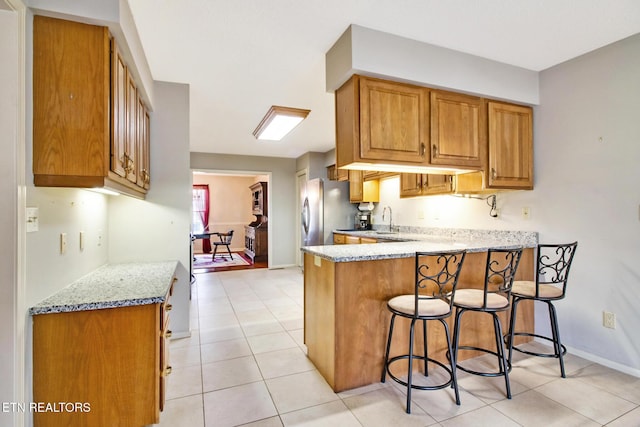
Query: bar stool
492,298
552,271
436,279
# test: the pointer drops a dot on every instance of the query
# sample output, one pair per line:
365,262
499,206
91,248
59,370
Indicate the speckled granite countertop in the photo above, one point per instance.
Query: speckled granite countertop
409,240
113,285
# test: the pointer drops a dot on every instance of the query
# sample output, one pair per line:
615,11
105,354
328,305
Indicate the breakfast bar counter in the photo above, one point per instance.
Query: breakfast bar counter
346,288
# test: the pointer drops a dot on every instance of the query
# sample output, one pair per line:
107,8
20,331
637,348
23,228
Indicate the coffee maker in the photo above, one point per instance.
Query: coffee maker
363,221
363,216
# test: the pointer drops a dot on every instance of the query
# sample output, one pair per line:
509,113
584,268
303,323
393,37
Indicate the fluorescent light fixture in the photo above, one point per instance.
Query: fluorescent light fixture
390,167
103,190
278,122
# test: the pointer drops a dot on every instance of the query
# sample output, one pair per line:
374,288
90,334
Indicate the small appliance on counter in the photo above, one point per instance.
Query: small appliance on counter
363,216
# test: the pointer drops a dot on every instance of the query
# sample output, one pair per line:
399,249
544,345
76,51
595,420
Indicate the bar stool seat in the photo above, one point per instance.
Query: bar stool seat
406,304
474,298
436,278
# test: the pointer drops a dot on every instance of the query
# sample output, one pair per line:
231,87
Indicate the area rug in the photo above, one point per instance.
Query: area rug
203,261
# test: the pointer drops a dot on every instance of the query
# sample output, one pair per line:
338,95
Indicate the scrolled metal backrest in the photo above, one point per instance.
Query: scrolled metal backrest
502,265
437,275
553,264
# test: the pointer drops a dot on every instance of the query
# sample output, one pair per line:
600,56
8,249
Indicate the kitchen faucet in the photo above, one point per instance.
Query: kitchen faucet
384,211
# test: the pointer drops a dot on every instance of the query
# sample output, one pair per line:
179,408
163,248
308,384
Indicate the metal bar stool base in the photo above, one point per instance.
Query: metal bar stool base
415,386
533,353
483,374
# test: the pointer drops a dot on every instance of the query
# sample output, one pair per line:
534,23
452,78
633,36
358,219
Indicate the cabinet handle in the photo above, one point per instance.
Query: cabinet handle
127,163
166,371
168,307
434,148
423,149
494,174
168,334
145,176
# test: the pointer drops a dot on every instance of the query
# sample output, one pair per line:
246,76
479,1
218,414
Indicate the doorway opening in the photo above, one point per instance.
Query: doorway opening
230,228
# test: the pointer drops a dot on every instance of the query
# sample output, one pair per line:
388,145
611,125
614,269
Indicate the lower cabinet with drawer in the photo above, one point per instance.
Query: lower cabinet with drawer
346,239
102,367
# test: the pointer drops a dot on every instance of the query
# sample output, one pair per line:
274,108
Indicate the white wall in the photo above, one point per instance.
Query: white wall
585,190
365,51
10,329
157,228
282,197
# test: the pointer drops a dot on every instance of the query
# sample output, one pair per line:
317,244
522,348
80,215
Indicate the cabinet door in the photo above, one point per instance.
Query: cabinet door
410,184
510,146
392,122
457,130
356,192
119,111
146,157
339,239
437,184
132,130
142,176
70,99
352,240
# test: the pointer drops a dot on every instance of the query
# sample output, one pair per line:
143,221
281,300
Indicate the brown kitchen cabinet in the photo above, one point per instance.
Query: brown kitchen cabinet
510,157
115,360
458,128
412,184
379,121
335,174
510,146
419,129
362,191
347,239
87,111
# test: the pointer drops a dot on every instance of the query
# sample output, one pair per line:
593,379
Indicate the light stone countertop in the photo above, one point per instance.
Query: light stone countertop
113,285
406,242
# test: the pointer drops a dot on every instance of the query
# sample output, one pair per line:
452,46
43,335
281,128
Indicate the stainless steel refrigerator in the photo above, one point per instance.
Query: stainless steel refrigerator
325,207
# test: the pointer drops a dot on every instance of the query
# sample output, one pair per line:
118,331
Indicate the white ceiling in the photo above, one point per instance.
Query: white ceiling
242,56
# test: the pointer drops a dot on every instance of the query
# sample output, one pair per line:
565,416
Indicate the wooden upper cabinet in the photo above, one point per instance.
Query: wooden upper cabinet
86,119
510,146
378,121
132,130
143,155
361,190
412,184
119,115
71,101
356,186
411,128
458,129
392,121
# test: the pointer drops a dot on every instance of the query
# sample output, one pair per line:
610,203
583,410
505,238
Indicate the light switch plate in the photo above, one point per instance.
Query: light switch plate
32,219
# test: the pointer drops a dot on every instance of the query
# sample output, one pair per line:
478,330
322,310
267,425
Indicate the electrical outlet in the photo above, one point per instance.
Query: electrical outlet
608,319
82,240
526,213
63,243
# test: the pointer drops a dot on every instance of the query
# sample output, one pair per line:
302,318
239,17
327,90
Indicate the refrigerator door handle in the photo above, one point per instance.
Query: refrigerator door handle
305,216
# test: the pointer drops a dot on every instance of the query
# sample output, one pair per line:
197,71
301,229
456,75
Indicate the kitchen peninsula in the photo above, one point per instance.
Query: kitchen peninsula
346,288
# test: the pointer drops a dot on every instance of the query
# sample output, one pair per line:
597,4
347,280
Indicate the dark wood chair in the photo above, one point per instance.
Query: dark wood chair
225,240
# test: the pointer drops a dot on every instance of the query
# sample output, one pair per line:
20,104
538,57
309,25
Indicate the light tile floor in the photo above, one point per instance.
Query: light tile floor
245,364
